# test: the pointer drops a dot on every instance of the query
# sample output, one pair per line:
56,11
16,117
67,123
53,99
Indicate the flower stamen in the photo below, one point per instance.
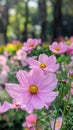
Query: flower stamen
33,89
57,124
57,49
32,121
31,45
42,65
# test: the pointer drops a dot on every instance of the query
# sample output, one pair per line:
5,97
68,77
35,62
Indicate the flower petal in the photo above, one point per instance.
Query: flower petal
48,83
22,78
43,58
14,90
37,102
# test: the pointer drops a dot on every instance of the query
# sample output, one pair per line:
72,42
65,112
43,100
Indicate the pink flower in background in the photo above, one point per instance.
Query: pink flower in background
3,77
72,84
70,49
30,120
3,60
5,68
30,44
71,39
16,105
45,63
71,91
20,53
39,41
58,48
15,41
6,53
24,61
70,73
22,56
57,124
34,90
4,107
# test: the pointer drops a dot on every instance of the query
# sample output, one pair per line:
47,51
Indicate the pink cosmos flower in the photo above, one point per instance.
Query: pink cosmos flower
71,39
4,107
70,49
45,63
57,124
58,48
20,53
30,120
3,60
35,90
30,44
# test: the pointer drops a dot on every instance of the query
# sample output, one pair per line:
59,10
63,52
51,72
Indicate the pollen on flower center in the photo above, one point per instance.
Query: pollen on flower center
57,124
42,65
31,45
33,89
32,121
57,49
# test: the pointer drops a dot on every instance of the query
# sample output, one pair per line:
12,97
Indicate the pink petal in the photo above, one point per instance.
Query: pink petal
51,60
5,107
52,68
14,90
33,63
35,75
48,97
37,102
48,83
22,78
43,58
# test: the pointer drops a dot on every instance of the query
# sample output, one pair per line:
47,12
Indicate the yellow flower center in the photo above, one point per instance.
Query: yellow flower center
32,121
42,65
57,124
27,129
57,49
31,45
33,89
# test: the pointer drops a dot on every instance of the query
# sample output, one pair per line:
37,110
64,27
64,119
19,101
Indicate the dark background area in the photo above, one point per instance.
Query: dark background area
46,19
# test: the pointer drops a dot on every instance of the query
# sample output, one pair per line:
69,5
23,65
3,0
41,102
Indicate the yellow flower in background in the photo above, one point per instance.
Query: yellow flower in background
45,46
2,49
18,46
11,47
68,42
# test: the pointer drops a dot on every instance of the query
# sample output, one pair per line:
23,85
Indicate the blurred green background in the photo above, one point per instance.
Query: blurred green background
46,19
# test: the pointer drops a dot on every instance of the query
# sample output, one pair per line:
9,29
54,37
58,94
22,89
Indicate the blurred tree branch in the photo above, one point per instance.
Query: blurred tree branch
43,14
57,18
